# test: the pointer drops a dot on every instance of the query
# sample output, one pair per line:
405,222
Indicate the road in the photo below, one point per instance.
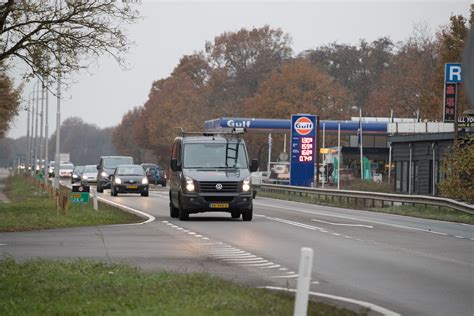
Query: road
405,265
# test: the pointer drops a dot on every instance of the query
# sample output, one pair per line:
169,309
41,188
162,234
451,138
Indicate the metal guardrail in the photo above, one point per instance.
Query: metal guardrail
354,197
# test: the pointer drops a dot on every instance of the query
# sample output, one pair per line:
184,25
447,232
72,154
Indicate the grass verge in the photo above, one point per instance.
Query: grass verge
420,211
32,209
42,287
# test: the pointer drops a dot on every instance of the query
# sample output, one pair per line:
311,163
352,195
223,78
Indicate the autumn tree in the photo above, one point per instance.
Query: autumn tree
458,167
405,87
54,36
85,142
297,87
452,39
240,60
356,67
9,101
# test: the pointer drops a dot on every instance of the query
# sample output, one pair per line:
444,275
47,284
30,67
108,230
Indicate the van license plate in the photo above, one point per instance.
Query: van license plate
219,205
132,187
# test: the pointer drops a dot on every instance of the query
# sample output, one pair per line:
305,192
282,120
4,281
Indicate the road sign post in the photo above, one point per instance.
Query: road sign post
452,76
303,149
80,194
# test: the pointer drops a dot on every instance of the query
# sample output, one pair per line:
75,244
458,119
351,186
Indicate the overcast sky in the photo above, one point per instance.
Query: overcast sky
170,30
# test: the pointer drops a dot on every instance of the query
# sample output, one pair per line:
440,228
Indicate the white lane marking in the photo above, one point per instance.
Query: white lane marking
352,218
3,244
368,305
150,219
205,238
199,236
226,250
191,233
244,259
283,269
340,224
293,223
272,267
236,256
252,263
258,264
285,276
315,282
460,237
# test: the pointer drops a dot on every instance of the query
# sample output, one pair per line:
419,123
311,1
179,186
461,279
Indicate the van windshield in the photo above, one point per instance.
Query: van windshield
213,155
114,162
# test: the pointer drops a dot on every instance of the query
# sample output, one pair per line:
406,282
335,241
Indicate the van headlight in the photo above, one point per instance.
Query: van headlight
118,181
144,181
189,184
246,185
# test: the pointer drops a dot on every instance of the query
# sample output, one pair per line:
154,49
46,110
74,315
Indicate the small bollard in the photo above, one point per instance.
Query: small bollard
94,201
304,280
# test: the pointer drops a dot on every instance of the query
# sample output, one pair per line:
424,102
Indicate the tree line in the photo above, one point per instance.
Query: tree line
255,73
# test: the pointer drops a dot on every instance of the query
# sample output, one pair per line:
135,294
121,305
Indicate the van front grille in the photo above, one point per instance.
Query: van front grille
218,187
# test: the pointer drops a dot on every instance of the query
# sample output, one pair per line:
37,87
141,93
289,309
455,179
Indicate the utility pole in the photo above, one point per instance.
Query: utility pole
41,127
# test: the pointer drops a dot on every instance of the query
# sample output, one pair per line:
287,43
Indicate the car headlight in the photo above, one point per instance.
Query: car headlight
144,181
118,181
74,175
104,174
84,177
189,184
246,185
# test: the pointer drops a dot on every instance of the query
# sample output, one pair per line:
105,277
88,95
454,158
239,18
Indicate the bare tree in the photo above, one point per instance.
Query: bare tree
55,37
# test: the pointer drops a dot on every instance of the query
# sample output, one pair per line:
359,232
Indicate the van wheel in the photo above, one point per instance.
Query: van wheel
183,214
247,215
144,193
174,211
235,214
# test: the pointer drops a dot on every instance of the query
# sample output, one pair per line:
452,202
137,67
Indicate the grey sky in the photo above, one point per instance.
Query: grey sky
170,30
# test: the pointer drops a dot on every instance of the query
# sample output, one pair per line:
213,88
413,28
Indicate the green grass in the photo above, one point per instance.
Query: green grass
42,287
32,209
420,211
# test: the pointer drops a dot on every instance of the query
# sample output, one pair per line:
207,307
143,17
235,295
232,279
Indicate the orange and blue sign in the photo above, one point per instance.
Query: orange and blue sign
303,149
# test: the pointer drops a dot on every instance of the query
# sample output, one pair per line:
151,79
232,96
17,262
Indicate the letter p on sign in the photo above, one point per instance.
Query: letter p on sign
453,73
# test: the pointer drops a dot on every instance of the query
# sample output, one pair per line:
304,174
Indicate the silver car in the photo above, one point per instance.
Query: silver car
89,175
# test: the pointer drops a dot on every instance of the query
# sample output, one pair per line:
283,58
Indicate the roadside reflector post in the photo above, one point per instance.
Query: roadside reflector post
94,200
304,281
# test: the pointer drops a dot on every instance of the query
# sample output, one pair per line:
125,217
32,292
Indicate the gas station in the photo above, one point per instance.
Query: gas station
365,150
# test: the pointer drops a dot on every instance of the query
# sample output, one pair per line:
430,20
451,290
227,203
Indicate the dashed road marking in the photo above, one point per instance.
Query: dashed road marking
340,224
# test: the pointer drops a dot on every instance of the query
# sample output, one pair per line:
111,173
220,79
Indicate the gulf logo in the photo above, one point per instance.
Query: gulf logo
303,126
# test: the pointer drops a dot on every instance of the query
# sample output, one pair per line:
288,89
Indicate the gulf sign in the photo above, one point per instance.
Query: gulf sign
303,126
303,149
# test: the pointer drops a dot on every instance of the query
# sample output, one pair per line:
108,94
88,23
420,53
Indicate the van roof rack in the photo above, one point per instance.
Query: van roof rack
224,132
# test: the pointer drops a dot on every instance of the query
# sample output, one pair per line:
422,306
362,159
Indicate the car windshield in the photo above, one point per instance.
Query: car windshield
78,169
66,166
115,161
130,171
89,169
213,155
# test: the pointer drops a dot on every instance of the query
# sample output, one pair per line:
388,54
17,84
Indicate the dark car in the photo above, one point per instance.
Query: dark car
106,167
156,175
77,174
148,165
128,179
211,173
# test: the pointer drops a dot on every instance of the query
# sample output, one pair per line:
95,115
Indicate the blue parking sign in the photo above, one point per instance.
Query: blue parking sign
453,73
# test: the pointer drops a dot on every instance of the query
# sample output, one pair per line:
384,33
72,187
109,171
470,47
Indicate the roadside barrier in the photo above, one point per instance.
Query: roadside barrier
363,199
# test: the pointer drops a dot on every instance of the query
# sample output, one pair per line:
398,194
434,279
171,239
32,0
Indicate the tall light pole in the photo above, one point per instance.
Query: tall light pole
27,164
58,132
41,127
46,136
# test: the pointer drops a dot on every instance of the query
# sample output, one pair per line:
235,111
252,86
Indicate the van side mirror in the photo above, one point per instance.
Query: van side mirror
174,165
254,165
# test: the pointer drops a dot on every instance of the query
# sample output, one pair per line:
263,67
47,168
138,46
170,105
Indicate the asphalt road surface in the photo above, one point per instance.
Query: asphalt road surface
402,265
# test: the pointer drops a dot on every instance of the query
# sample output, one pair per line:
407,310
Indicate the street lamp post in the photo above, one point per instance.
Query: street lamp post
58,133
46,137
